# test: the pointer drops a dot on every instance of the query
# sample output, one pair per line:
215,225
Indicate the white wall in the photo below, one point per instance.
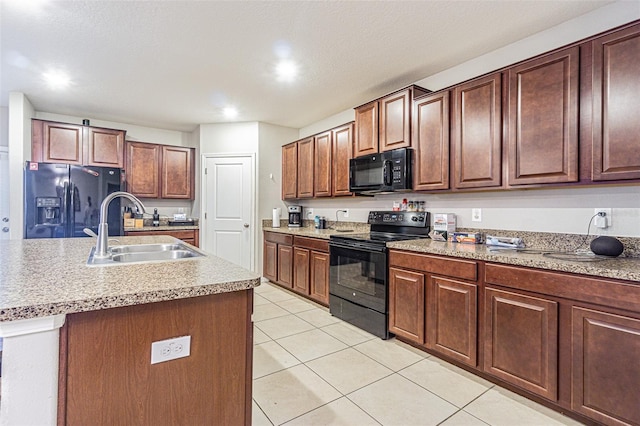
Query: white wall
4,126
553,210
328,123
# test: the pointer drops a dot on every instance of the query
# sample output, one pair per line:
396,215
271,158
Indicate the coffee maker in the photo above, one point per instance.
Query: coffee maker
295,216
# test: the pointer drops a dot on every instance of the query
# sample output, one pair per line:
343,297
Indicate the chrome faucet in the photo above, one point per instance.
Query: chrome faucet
102,243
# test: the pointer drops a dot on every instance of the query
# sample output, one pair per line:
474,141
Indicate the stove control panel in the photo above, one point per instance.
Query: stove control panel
416,219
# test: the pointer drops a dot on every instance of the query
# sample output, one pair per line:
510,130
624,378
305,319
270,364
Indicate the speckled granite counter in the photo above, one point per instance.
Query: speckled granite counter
623,268
49,276
343,228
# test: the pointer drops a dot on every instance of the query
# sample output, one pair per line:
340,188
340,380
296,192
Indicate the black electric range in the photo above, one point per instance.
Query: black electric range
358,283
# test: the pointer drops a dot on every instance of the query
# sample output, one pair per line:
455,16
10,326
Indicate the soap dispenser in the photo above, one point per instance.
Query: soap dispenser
156,218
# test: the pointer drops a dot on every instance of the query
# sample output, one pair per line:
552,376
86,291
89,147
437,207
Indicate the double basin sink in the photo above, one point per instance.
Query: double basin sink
141,253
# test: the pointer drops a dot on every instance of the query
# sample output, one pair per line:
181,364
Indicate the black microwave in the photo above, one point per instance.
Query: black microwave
389,171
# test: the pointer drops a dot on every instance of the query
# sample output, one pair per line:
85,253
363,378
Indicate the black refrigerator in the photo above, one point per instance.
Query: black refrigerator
60,200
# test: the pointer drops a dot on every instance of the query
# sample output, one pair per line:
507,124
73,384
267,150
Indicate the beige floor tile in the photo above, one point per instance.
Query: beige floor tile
318,317
348,370
270,357
259,336
501,407
277,295
258,418
462,418
259,300
265,286
268,311
311,344
280,327
290,393
395,400
341,412
448,382
296,305
391,355
348,334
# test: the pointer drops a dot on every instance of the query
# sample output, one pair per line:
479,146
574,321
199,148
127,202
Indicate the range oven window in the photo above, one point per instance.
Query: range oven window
360,276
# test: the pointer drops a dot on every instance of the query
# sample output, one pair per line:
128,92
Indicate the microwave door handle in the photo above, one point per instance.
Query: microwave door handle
388,173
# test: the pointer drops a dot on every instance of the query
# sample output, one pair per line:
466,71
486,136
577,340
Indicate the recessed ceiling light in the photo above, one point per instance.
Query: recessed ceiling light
56,79
286,70
230,112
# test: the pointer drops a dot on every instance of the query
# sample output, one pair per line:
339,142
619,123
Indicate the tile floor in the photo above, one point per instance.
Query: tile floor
310,368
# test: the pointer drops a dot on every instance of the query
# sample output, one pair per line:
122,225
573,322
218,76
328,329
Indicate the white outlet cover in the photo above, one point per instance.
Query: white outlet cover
476,215
167,350
346,212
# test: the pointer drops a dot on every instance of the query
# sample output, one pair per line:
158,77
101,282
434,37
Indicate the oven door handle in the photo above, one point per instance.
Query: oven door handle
358,245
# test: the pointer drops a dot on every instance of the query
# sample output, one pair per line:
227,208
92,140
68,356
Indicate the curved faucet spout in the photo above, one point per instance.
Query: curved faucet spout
102,243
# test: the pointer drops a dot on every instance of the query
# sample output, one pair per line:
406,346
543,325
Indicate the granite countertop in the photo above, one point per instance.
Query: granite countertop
162,228
622,268
309,231
43,277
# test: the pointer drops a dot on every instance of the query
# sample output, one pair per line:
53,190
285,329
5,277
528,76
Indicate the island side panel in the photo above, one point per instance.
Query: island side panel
110,379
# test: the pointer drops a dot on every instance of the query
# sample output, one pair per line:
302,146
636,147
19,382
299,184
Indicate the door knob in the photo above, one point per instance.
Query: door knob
246,225
5,229
5,219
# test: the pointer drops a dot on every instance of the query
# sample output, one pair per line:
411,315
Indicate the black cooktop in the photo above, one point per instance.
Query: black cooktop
389,226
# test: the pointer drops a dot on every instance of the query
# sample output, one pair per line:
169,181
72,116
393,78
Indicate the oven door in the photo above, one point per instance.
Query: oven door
359,275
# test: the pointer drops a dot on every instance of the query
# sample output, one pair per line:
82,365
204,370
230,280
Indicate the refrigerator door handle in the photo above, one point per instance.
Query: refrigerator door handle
72,210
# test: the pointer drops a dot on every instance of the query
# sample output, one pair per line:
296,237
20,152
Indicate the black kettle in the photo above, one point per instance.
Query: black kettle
607,246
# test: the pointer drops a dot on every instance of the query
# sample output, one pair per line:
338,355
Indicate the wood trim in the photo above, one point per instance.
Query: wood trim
276,237
311,243
446,266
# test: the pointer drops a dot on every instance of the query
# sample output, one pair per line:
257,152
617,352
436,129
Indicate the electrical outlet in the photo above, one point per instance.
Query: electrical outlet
476,215
346,212
166,350
603,222
309,212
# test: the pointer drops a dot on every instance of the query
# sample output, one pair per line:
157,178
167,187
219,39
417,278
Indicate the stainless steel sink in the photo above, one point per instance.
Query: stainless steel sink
142,253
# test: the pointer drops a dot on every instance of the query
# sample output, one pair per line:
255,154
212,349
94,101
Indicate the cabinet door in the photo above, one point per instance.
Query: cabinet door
543,119
342,153
406,304
177,172
431,142
143,162
104,147
322,165
605,366
290,171
61,143
319,285
521,341
366,129
452,319
305,168
301,270
270,261
477,133
395,121
616,102
285,265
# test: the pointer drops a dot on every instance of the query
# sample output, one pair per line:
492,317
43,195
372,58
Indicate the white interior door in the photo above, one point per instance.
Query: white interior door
4,194
228,203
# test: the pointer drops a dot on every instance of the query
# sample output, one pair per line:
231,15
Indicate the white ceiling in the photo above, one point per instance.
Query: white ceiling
175,64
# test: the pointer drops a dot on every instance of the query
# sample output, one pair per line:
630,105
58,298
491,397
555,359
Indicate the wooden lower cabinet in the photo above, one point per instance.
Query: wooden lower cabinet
605,366
521,340
406,304
452,319
319,278
285,265
277,263
270,262
106,377
301,270
190,236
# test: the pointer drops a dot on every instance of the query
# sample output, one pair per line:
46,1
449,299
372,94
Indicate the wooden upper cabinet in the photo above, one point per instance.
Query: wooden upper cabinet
104,147
477,133
305,168
342,152
53,142
143,169
615,103
543,119
366,129
290,171
159,171
431,142
395,121
177,172
322,165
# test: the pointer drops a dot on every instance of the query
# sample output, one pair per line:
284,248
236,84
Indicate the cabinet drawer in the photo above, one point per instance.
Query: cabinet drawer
464,269
311,243
275,237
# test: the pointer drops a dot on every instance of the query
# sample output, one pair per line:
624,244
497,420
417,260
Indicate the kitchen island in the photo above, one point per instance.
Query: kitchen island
109,316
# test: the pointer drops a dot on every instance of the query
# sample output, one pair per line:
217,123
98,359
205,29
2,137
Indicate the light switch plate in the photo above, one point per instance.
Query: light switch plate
167,350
